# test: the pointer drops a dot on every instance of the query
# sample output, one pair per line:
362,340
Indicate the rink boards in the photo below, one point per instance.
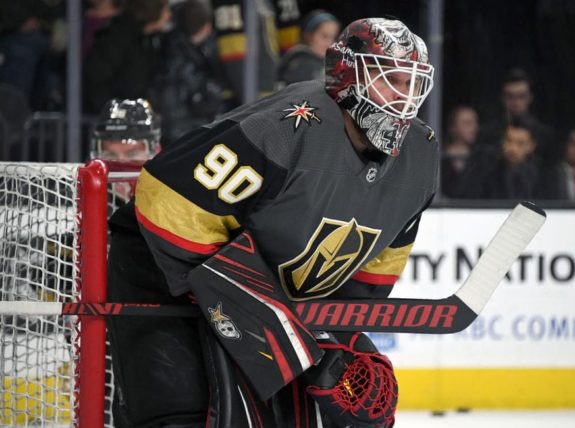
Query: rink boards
520,353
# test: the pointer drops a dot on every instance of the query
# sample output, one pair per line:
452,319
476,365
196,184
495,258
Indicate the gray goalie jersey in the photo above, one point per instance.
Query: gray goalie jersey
324,219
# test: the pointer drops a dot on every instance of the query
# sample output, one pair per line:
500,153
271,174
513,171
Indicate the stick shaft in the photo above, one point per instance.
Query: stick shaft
384,315
447,315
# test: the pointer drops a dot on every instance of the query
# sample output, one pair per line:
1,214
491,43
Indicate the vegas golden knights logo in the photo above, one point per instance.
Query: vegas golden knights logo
333,253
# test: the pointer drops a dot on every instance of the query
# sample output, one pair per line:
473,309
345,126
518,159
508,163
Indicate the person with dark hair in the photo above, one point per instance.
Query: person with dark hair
516,100
123,59
305,60
187,88
96,16
516,92
24,49
462,128
314,191
570,165
566,168
514,171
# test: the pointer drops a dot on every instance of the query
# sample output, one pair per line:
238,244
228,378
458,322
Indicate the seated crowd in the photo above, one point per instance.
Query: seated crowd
184,58
513,156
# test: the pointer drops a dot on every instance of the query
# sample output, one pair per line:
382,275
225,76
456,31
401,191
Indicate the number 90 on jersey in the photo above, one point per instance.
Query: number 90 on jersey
217,173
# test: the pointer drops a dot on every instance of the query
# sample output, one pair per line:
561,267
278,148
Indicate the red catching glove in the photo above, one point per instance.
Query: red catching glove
354,384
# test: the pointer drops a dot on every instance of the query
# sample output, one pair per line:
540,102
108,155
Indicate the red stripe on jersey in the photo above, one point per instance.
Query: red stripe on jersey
178,241
233,57
375,278
280,358
292,319
251,280
295,398
238,264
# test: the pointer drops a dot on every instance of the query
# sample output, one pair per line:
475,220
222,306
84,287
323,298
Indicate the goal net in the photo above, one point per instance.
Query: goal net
54,370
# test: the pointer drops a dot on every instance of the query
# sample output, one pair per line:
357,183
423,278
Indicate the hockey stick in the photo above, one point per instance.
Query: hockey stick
431,316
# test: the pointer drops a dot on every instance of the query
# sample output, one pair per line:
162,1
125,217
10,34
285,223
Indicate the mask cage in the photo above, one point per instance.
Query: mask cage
419,83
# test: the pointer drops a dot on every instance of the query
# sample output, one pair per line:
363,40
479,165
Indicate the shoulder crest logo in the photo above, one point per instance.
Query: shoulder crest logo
371,175
223,323
300,112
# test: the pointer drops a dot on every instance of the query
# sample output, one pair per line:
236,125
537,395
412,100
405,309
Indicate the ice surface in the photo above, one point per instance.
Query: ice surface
487,419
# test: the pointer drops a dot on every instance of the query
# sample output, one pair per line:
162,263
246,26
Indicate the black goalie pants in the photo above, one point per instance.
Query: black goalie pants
158,363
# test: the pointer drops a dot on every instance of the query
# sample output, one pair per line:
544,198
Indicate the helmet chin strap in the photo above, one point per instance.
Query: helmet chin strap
364,148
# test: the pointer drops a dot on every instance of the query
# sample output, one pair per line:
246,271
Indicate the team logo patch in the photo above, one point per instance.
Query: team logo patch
301,112
223,323
371,174
334,252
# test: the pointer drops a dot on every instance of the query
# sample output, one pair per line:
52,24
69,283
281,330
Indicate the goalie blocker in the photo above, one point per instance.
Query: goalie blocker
254,321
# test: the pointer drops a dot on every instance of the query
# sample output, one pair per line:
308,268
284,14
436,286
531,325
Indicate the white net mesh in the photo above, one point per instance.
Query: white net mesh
39,228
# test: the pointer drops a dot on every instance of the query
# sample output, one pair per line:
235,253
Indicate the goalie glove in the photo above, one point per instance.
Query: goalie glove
354,384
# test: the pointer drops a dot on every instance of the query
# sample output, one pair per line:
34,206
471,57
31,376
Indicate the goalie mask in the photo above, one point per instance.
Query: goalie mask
126,129
379,72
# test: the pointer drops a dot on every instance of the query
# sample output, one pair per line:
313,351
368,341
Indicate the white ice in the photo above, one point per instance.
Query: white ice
482,419
487,419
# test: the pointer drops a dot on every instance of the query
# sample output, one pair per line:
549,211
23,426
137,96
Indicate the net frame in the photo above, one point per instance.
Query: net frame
58,373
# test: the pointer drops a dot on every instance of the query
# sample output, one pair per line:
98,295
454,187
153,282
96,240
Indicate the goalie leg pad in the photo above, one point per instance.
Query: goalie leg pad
158,364
354,383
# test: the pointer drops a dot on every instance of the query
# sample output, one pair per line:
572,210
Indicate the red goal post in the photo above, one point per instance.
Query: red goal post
53,247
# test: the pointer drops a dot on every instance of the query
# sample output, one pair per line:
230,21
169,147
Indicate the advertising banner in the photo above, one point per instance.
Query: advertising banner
529,321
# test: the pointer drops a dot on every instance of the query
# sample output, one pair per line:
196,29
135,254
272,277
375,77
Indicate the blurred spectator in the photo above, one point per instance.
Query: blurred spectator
568,167
278,31
126,130
517,98
514,173
97,16
462,127
305,60
55,22
123,59
187,90
24,47
287,17
14,111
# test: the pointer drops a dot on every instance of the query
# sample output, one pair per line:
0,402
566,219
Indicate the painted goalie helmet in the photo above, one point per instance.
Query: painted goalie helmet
379,71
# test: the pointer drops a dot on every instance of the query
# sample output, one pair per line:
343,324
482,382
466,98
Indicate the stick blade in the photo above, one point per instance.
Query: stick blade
505,247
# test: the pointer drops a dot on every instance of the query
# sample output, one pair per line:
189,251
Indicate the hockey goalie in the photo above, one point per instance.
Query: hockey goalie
314,191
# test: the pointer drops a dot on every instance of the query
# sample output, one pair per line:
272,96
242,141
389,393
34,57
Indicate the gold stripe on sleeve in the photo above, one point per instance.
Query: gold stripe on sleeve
390,261
168,210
